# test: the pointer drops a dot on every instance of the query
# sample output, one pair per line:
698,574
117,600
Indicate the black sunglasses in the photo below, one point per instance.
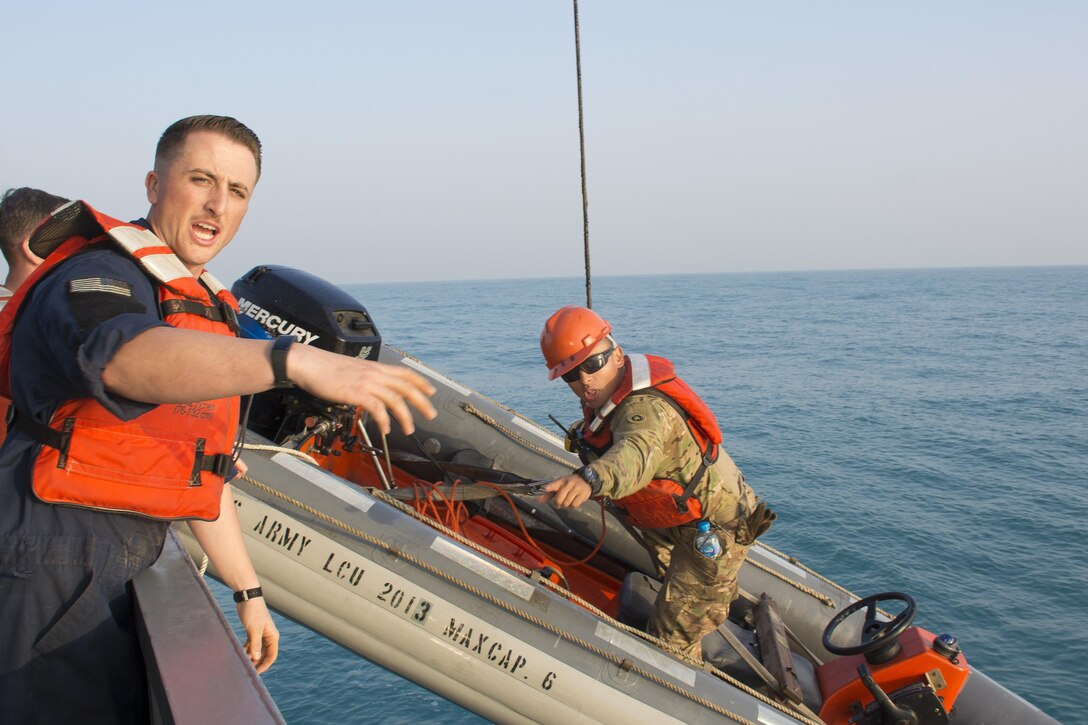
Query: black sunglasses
591,364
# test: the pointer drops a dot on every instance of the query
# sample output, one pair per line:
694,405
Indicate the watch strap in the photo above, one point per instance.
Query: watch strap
246,594
279,361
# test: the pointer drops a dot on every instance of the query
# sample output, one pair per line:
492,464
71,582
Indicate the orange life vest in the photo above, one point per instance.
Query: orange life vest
662,503
168,463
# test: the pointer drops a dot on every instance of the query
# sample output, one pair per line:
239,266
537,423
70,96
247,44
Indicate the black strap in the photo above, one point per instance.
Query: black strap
245,595
219,464
192,307
230,317
218,312
709,458
47,436
280,347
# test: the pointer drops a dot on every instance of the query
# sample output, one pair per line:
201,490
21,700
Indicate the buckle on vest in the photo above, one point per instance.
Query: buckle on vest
230,317
59,439
219,464
219,311
65,441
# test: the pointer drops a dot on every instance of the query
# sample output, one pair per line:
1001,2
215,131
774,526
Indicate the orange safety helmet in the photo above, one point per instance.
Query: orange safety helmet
569,337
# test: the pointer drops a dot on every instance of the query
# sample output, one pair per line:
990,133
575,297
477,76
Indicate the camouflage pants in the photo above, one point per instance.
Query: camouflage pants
697,591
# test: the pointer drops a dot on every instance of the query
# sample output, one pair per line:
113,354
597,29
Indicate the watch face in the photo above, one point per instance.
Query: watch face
590,476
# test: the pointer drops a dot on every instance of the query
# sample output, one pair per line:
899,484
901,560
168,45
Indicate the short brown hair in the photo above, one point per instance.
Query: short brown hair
21,211
174,136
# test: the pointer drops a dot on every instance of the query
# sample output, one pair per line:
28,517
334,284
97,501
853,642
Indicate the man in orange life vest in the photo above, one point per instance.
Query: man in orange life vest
21,210
124,375
651,445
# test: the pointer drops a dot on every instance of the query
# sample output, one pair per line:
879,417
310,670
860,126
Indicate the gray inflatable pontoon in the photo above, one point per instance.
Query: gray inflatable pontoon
432,557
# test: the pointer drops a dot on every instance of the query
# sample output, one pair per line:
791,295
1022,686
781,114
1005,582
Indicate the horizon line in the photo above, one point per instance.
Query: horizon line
736,273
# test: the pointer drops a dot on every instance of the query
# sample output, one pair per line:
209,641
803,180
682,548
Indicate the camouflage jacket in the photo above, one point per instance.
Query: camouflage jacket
650,440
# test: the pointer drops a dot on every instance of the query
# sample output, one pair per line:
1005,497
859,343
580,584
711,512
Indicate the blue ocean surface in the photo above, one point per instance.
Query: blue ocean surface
924,431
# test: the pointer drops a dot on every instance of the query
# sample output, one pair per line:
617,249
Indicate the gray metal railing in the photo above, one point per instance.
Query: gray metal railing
196,668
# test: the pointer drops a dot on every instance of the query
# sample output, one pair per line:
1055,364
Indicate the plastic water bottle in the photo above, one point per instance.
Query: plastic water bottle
706,541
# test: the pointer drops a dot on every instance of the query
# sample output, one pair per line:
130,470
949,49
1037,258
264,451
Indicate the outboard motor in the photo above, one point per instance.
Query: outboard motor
274,301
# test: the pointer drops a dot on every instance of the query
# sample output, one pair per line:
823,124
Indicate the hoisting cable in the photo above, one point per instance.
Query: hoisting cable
582,152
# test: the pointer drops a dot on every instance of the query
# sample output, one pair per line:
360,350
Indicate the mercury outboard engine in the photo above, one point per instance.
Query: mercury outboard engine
274,301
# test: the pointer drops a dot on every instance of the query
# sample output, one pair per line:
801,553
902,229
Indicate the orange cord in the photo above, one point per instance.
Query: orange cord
456,512
424,502
544,555
427,495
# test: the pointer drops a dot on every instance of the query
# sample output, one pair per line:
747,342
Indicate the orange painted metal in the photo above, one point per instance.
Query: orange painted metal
841,685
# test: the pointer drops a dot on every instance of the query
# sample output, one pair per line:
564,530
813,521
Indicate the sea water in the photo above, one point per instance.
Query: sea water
923,431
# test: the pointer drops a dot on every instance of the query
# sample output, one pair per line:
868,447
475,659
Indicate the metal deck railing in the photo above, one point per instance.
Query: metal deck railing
196,668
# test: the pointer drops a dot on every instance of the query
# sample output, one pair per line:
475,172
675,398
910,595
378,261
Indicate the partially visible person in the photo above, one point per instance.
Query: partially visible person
125,373
21,210
652,445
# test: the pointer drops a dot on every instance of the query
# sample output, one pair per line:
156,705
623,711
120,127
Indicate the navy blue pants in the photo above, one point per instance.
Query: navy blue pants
68,646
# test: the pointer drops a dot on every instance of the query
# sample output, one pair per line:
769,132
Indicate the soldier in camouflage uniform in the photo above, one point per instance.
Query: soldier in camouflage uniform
635,438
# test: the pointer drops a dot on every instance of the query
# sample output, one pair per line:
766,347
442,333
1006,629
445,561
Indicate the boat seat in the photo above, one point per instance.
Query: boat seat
774,646
637,597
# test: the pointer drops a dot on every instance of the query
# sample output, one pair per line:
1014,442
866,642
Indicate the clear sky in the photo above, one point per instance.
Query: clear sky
438,139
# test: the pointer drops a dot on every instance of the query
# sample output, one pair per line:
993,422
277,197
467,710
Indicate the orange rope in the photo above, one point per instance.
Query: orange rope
424,501
543,554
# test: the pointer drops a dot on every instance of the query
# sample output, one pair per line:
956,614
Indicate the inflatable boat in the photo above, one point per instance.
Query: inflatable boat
433,556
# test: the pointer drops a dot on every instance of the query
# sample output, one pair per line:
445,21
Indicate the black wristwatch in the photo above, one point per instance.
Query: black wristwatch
590,476
279,361
246,594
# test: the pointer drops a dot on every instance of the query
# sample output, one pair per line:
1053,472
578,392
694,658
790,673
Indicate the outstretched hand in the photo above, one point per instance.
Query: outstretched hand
377,388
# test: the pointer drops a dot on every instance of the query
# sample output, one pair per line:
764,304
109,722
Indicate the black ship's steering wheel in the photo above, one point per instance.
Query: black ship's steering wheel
879,640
